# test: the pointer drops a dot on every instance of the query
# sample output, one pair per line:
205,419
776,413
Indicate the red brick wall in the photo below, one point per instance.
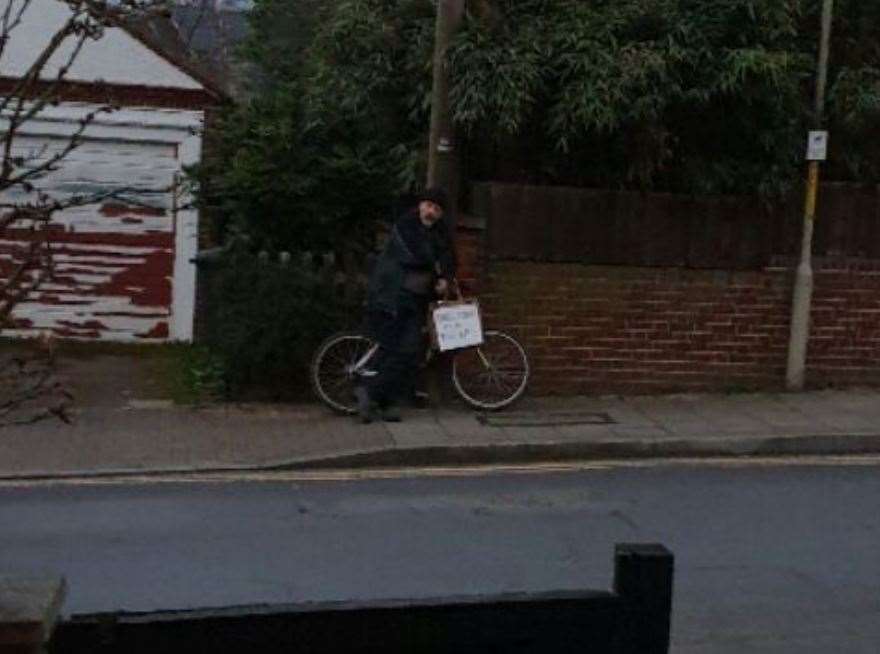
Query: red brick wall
607,329
469,253
844,347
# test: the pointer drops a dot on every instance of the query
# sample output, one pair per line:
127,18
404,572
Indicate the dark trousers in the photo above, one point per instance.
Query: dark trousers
401,348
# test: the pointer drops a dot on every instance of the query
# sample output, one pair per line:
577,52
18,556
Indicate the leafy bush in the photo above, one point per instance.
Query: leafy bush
703,96
263,322
331,132
293,182
201,377
695,96
331,135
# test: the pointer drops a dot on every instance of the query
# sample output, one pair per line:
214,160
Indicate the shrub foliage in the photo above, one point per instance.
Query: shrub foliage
693,96
265,319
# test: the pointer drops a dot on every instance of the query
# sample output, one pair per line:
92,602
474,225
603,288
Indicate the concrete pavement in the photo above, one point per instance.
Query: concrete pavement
143,436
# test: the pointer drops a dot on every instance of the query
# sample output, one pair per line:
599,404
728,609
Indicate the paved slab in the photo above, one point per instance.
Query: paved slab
29,609
146,436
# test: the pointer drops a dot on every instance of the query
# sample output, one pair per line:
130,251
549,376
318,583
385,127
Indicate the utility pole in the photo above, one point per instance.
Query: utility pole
803,285
442,155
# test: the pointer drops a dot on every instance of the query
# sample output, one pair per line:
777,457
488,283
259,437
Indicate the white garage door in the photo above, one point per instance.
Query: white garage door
114,260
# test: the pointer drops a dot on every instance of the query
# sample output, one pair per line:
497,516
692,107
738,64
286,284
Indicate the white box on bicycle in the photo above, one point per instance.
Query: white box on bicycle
457,325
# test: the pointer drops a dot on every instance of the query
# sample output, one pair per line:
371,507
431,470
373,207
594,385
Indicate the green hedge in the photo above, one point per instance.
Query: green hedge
263,320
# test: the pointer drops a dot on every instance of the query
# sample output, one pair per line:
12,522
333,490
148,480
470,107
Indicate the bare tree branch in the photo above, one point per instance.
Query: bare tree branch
7,26
74,141
36,263
76,25
39,102
51,206
27,390
197,22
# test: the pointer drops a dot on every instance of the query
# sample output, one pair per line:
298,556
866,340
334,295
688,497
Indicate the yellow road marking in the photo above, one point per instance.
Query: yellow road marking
298,476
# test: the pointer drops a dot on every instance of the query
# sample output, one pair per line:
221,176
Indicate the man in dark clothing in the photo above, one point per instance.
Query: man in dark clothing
416,265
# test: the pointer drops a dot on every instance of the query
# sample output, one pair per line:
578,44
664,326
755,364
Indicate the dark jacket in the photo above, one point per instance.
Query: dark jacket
411,248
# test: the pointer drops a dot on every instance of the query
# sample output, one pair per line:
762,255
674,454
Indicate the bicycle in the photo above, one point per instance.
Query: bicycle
489,376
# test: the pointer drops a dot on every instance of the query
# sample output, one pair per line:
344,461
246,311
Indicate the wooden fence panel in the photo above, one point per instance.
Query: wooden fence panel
600,210
625,219
492,202
784,225
728,233
661,229
665,229
570,229
707,220
845,221
867,217
829,232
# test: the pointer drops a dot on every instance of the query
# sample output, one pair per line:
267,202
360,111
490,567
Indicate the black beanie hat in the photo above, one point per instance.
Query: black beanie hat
436,195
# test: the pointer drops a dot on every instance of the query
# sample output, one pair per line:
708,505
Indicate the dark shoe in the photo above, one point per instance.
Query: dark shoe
391,414
365,407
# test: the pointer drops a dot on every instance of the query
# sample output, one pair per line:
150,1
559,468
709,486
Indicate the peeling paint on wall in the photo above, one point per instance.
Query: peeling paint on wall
105,285
114,262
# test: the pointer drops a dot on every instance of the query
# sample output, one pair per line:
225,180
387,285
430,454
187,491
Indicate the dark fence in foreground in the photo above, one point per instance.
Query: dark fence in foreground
545,223
634,618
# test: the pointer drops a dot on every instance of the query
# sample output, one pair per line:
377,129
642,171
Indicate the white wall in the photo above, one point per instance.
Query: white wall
124,274
116,58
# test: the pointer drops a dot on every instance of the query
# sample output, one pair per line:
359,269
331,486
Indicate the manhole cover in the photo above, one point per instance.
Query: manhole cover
545,418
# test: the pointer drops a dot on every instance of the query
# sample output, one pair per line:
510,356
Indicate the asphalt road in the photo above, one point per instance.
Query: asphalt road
768,559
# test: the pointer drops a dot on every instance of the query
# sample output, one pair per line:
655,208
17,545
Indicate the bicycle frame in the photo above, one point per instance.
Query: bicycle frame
482,379
476,374
356,367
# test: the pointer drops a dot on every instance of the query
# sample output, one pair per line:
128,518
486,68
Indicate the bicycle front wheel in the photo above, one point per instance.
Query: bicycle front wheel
492,375
339,364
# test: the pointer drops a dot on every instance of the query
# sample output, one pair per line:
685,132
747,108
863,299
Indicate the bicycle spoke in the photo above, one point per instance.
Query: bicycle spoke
510,374
330,384
339,360
499,381
496,380
357,351
341,355
335,368
339,383
334,373
492,375
345,359
352,355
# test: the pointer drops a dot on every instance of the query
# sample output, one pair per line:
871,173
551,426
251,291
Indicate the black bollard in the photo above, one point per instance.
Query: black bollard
643,579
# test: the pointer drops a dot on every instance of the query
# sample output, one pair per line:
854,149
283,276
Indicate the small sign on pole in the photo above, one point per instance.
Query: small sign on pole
817,145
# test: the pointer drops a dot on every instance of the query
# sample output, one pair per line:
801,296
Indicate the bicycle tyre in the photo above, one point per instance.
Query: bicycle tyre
332,379
502,382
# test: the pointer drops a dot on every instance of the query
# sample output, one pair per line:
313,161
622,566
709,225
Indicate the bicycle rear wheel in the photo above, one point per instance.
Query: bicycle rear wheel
492,375
338,365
